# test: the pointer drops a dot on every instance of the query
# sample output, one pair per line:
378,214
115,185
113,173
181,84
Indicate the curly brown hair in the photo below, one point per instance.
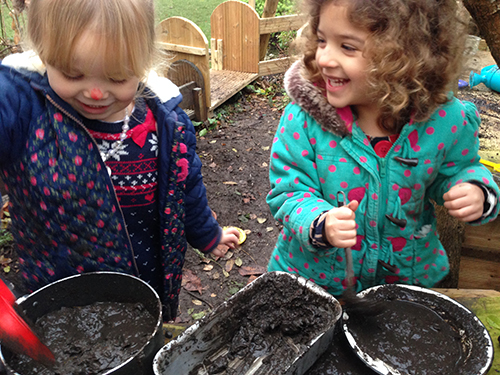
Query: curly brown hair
414,53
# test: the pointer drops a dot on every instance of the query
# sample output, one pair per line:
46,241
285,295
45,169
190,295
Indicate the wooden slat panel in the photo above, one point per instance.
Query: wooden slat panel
183,32
483,237
479,273
281,23
237,24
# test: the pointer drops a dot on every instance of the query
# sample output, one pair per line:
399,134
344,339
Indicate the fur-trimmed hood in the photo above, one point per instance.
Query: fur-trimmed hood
310,98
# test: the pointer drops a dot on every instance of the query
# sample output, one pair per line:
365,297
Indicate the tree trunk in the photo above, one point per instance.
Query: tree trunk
486,14
270,7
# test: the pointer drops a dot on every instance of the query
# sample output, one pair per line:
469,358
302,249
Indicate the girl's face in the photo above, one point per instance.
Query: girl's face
87,87
340,59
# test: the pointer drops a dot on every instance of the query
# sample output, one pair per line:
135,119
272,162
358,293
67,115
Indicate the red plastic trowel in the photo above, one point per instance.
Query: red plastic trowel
16,335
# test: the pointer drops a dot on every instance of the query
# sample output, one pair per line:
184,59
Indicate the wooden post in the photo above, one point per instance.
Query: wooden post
270,7
486,14
251,3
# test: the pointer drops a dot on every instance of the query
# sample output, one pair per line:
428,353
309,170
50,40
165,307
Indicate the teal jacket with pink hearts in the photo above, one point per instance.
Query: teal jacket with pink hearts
315,155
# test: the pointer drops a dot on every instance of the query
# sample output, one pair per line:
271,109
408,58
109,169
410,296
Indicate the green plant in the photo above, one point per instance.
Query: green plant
12,23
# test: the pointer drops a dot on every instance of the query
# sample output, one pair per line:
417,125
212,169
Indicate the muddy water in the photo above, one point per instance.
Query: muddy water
90,339
410,337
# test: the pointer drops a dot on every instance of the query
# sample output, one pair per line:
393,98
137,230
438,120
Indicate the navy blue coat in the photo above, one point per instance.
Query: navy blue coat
66,218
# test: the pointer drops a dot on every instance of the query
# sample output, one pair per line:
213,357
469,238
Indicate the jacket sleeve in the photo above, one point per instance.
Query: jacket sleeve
295,199
461,163
16,98
202,230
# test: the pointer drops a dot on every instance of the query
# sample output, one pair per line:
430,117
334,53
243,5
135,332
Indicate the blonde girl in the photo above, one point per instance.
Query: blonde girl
98,158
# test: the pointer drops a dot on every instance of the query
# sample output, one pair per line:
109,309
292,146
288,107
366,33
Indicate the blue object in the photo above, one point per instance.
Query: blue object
489,76
462,84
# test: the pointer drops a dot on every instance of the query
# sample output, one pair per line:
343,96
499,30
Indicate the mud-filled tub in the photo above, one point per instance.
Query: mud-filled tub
94,323
278,324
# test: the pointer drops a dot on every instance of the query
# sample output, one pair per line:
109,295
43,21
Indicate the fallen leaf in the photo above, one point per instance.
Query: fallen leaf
208,267
261,220
235,150
238,262
226,274
230,183
191,282
229,265
265,148
247,231
213,141
257,270
199,315
197,302
216,276
269,229
264,165
213,295
212,165
251,278
228,255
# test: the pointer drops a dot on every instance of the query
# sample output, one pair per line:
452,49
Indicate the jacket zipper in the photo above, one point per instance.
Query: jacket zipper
52,101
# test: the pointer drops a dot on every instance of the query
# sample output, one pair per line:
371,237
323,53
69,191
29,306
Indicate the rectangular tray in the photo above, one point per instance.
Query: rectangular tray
278,324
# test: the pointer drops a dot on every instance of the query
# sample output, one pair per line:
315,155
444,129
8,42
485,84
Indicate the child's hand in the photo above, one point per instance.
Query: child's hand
465,201
340,225
230,237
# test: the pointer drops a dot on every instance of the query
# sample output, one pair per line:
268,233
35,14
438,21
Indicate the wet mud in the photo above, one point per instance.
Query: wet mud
339,359
420,333
274,325
90,339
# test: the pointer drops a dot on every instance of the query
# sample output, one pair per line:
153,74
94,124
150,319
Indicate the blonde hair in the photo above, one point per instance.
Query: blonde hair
124,30
414,51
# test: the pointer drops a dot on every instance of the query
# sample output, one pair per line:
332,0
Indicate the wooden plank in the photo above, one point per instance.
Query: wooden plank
468,293
483,237
226,83
183,49
183,32
274,66
479,273
281,23
237,24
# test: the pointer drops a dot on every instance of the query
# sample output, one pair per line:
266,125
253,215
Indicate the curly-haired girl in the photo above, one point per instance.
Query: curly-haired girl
372,116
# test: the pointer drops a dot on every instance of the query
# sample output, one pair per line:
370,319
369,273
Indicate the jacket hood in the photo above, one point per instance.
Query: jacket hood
310,98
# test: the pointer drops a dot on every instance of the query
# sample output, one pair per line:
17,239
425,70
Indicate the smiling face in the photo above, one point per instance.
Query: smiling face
340,59
89,87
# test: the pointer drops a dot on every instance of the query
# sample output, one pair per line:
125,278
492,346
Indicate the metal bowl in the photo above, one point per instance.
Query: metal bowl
86,289
472,347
